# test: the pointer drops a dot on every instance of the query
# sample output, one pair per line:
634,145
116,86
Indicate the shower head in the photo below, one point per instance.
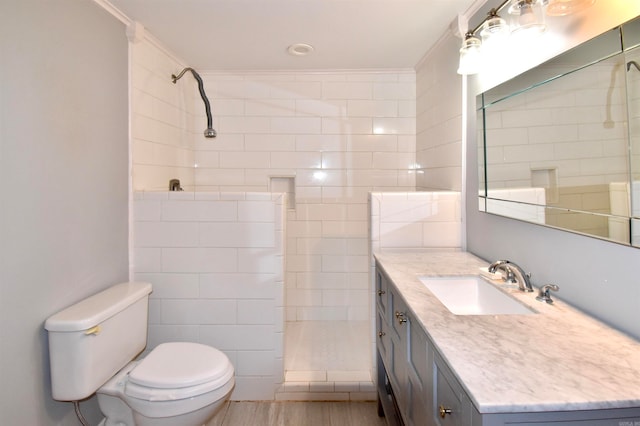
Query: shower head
209,132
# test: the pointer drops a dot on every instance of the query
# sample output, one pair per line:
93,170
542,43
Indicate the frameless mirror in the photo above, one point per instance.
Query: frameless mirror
562,141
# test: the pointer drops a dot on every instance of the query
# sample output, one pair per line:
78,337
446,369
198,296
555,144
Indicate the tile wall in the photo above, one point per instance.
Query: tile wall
162,119
336,136
216,262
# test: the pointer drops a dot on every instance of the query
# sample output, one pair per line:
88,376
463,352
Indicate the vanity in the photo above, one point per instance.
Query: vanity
547,365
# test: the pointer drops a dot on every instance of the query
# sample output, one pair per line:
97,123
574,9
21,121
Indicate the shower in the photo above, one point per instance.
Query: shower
634,63
209,132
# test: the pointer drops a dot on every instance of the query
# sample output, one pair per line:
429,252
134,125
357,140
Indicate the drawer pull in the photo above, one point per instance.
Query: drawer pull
400,317
381,292
443,411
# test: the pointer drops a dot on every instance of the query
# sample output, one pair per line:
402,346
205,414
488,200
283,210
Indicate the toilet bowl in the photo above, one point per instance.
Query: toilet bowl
177,384
93,347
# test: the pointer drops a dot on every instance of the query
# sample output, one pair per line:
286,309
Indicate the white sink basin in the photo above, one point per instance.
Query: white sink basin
472,295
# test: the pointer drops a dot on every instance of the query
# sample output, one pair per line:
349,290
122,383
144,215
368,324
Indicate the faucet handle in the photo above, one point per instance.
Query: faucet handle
494,266
544,294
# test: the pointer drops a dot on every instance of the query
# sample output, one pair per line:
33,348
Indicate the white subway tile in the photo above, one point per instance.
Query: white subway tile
401,234
296,125
237,286
321,108
270,107
147,259
270,142
258,260
372,108
199,260
297,160
198,312
260,312
255,363
225,234
146,210
171,286
347,125
256,211
243,160
442,234
214,211
347,90
165,234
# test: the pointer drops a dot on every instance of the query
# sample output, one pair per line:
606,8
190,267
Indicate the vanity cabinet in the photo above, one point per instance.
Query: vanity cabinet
417,387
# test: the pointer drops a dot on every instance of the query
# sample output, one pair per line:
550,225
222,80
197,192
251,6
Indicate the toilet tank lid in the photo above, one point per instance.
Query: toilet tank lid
96,309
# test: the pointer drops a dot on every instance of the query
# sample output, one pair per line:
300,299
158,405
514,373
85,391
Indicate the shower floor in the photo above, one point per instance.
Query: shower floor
328,356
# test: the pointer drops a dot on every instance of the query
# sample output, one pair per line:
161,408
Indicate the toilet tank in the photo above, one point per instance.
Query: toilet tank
93,339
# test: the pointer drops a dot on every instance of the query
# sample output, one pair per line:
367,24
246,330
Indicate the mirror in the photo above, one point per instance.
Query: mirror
562,141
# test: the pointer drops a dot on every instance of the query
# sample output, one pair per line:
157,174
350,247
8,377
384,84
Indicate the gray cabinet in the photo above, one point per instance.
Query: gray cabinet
416,387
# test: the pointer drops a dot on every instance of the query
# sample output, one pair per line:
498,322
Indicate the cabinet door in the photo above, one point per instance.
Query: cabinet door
450,404
420,377
381,292
399,330
383,339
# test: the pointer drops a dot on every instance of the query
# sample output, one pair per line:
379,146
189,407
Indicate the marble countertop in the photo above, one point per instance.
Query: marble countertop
554,360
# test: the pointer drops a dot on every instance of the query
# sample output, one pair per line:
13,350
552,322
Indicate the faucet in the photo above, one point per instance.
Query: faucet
174,185
544,295
514,274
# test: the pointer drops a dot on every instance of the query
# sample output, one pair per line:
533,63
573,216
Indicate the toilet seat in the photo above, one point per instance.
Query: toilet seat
178,370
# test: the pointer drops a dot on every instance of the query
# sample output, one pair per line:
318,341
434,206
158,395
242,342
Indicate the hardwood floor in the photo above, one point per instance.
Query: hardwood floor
295,413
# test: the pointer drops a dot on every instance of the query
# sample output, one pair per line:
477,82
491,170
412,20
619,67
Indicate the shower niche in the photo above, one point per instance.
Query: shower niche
559,144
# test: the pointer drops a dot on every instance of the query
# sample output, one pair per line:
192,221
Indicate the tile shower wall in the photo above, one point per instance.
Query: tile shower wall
216,262
337,136
162,119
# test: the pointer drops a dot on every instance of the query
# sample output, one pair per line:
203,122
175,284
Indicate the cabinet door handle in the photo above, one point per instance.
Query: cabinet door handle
381,292
381,333
400,317
443,411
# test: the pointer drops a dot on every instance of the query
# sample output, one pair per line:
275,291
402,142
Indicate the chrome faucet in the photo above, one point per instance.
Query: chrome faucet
514,274
544,294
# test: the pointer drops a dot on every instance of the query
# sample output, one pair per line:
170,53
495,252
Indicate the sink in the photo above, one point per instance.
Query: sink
473,295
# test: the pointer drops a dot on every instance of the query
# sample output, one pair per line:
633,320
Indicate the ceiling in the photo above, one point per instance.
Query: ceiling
255,34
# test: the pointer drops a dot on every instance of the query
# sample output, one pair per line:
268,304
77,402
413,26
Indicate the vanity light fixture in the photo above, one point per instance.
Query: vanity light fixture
470,55
493,27
525,16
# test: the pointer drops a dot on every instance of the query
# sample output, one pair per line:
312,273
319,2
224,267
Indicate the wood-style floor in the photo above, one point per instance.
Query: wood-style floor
294,413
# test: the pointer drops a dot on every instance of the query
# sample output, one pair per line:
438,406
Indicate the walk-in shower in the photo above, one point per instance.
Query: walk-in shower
209,132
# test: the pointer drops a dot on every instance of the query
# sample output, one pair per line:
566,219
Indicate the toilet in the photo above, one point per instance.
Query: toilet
93,347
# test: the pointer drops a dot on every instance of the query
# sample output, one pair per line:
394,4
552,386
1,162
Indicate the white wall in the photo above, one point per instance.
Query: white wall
63,167
598,277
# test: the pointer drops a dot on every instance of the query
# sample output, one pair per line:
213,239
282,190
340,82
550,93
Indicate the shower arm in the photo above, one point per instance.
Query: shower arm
634,63
210,132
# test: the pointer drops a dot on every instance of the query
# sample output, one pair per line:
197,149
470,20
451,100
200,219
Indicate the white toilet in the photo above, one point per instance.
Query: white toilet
91,348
